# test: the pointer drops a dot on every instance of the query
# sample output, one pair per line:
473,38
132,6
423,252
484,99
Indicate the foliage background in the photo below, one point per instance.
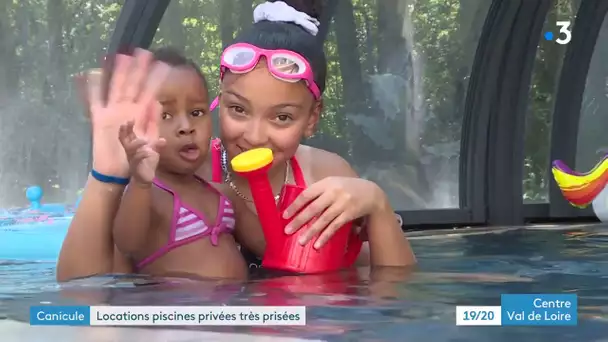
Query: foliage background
398,74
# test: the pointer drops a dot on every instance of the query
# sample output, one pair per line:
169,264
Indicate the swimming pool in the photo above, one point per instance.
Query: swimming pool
458,267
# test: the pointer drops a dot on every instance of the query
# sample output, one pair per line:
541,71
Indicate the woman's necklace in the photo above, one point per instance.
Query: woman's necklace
234,188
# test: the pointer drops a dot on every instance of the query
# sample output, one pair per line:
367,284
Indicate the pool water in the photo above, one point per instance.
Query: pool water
458,267
33,241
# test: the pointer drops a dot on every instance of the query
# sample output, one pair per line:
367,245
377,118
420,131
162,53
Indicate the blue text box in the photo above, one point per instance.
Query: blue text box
539,309
60,315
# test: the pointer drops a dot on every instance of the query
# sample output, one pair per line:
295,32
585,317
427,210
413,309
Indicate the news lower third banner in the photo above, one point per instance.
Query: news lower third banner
523,310
167,315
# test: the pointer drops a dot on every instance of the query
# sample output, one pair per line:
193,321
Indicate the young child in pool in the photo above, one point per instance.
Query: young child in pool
171,221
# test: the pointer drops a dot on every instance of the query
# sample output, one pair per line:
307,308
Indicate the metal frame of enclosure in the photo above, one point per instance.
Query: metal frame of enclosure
492,143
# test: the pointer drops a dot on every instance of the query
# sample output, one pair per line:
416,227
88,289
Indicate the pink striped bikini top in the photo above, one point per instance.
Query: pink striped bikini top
189,225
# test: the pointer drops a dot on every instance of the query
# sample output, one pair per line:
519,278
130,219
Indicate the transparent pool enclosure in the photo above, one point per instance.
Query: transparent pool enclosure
456,108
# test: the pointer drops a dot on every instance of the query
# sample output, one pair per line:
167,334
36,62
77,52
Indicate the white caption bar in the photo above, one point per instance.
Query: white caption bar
198,315
478,315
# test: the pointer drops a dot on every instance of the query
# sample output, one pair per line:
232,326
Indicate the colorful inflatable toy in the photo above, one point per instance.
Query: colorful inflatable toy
35,232
37,212
582,189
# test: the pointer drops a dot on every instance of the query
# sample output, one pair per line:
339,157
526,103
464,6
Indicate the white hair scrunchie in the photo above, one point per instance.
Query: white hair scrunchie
280,11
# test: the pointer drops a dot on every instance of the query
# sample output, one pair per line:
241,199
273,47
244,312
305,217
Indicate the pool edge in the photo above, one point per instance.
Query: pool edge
468,231
18,331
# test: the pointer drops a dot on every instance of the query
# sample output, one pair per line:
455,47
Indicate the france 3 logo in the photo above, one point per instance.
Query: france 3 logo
564,36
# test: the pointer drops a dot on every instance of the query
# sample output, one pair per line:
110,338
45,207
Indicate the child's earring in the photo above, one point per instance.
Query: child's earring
311,130
308,133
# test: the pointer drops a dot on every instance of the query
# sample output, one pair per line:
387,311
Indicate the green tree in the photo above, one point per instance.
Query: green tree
398,73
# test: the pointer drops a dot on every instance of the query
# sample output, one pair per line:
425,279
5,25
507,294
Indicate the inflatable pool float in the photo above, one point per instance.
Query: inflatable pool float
584,189
35,232
36,212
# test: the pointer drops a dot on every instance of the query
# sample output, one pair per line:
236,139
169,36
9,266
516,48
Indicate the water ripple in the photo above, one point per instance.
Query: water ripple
386,304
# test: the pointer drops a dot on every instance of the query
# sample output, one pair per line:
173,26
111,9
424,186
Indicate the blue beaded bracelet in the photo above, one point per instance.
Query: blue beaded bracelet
109,179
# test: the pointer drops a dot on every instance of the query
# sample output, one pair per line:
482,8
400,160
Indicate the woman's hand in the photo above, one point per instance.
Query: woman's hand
335,201
131,97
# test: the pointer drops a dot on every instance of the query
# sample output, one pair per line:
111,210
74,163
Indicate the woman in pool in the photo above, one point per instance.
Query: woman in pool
255,66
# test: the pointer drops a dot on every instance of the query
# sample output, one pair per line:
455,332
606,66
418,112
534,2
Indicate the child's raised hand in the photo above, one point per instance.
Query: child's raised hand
131,97
142,153
335,201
